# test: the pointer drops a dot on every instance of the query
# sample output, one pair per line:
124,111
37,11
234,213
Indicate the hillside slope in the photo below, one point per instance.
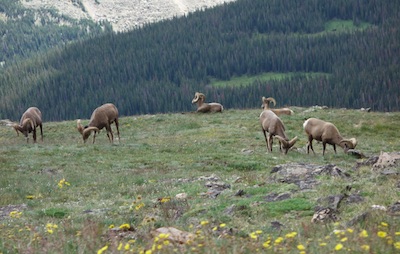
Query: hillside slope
123,14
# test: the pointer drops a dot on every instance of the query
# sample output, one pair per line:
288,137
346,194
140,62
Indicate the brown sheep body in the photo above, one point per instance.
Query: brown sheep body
327,133
30,120
203,107
273,125
102,117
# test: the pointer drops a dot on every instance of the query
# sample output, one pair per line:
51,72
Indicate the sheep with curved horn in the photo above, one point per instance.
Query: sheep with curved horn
30,120
102,117
203,107
277,111
272,124
327,133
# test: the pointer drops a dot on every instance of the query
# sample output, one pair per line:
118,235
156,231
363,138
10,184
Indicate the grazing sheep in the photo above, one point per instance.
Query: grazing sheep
30,120
327,133
203,107
277,111
272,124
102,117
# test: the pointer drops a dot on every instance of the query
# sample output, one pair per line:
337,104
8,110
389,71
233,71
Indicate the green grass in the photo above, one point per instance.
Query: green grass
249,80
338,25
160,156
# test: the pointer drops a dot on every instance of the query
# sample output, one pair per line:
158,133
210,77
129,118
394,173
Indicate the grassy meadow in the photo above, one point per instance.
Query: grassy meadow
64,196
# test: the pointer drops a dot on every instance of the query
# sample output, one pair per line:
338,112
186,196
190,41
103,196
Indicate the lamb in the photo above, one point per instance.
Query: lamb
327,133
203,107
30,120
272,124
102,117
277,111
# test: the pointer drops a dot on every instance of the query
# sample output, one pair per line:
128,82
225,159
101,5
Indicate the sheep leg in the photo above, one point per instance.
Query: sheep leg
334,148
94,136
309,145
271,141
266,138
323,148
110,134
117,125
41,131
34,135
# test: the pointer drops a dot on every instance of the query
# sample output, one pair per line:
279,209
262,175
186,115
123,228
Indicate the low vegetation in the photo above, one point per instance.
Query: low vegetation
64,196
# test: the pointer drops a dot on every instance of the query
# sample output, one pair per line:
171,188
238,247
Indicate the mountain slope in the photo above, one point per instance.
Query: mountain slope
123,14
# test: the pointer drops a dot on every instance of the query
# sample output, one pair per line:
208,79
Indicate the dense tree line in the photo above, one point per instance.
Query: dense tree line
158,67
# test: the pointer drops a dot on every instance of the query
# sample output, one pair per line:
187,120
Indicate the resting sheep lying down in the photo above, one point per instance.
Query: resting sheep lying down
102,117
30,120
327,133
277,111
272,124
203,107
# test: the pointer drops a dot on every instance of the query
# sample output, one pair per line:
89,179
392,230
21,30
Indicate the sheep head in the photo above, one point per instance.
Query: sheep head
286,144
267,101
26,127
198,97
348,144
85,131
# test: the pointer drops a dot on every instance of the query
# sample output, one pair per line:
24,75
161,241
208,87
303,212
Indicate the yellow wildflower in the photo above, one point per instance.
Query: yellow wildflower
364,233
278,240
258,232
127,246
291,235
102,249
301,247
339,246
267,244
15,214
365,247
384,224
204,222
397,245
344,239
382,234
166,242
222,225
397,233
215,228
111,226
322,244
389,240
125,226
137,207
253,235
119,246
164,200
350,230
163,235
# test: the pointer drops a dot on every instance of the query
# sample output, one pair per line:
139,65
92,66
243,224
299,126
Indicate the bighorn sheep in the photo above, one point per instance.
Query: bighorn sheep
272,124
30,120
102,117
327,133
203,107
277,111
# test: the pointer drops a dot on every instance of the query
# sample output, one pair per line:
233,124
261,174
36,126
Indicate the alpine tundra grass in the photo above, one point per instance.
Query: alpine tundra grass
64,196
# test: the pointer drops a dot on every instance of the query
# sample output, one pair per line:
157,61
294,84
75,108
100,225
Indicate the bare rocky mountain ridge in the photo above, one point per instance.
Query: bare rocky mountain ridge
123,14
